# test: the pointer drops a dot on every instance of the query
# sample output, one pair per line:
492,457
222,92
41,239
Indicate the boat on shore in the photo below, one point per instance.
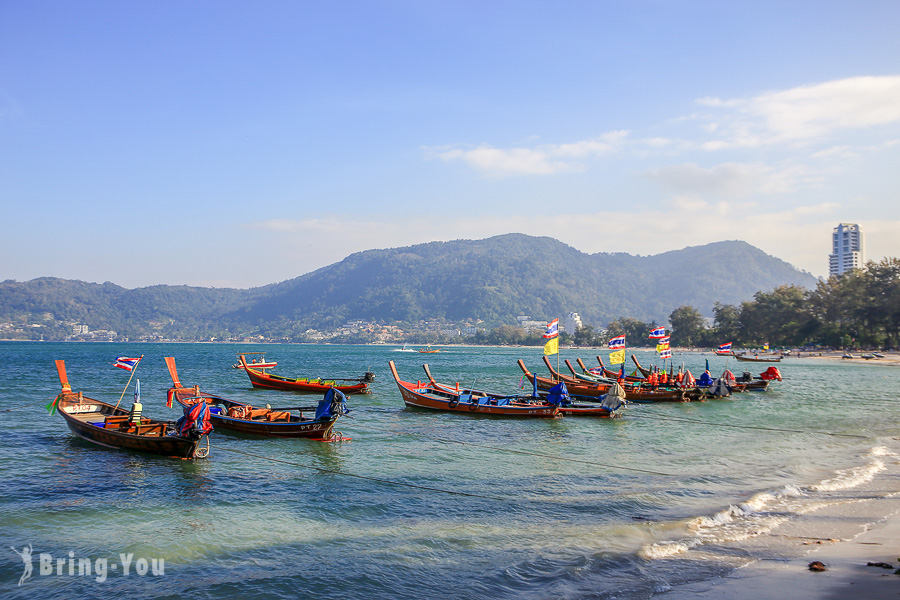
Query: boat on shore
443,398
262,379
127,429
242,417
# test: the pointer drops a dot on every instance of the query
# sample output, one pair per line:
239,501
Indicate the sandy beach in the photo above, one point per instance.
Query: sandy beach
848,573
890,358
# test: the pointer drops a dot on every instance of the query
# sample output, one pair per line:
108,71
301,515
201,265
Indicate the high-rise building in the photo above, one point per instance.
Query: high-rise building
573,322
847,252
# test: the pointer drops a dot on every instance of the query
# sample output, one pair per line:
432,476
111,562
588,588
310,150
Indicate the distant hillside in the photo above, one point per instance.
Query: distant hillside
494,280
497,278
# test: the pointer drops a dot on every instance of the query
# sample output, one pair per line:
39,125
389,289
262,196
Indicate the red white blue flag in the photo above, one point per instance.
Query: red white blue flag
724,349
123,362
664,339
659,332
664,354
617,342
552,329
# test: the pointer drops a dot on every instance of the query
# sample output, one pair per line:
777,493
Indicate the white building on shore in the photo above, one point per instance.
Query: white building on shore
847,251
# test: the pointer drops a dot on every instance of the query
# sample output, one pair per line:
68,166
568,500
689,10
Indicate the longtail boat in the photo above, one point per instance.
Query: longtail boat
692,392
586,375
114,427
572,380
241,417
744,357
435,397
428,350
262,379
579,390
259,362
606,409
610,373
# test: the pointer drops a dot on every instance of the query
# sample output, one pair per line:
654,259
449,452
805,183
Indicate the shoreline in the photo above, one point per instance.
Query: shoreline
844,538
847,576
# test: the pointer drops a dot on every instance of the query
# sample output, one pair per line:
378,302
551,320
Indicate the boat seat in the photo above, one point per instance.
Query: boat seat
256,412
275,415
148,428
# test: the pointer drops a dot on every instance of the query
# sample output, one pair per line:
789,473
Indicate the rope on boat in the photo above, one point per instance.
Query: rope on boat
45,400
366,477
538,454
699,422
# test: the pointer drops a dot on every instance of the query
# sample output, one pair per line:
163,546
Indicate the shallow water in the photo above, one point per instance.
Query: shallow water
424,504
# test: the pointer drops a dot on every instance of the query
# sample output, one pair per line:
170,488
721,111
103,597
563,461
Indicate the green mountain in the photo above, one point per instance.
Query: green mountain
493,280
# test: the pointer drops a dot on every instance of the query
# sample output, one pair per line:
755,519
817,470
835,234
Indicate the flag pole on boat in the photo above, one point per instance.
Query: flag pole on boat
129,364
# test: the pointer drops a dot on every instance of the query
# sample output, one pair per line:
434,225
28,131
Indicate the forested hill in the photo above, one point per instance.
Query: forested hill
494,280
498,278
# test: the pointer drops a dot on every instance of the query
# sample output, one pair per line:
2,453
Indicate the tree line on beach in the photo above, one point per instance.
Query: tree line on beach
860,308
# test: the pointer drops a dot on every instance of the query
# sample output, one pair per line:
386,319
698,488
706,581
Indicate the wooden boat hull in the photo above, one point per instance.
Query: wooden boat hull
268,381
585,410
431,397
107,425
758,359
294,427
571,409
578,389
171,446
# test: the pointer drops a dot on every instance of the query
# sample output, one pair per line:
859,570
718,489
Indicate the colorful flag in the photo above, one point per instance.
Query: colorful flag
724,349
617,342
664,339
659,332
551,347
617,358
123,362
51,408
766,346
665,354
661,347
552,329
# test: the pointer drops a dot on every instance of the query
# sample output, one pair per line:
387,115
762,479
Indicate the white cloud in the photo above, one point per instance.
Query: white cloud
546,159
804,114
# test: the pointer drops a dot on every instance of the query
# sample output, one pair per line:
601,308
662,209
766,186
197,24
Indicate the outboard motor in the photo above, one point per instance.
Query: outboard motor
195,422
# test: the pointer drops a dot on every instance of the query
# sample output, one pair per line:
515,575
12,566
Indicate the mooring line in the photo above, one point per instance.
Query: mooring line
388,481
699,422
538,454
27,405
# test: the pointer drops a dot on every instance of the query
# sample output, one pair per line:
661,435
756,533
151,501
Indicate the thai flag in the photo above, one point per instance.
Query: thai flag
617,342
664,339
552,329
724,348
123,362
659,332
664,354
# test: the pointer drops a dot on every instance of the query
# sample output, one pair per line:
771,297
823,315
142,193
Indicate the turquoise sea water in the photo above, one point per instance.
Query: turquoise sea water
421,504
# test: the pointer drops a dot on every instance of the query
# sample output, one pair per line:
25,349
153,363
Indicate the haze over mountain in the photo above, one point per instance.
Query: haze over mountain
492,280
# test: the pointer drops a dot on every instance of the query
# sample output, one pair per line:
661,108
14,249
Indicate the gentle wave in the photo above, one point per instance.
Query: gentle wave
766,510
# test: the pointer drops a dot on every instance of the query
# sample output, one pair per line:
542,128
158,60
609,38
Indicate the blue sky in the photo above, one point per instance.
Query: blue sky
235,144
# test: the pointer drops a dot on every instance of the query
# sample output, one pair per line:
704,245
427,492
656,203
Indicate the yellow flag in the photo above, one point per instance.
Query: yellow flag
551,347
766,346
661,347
617,358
